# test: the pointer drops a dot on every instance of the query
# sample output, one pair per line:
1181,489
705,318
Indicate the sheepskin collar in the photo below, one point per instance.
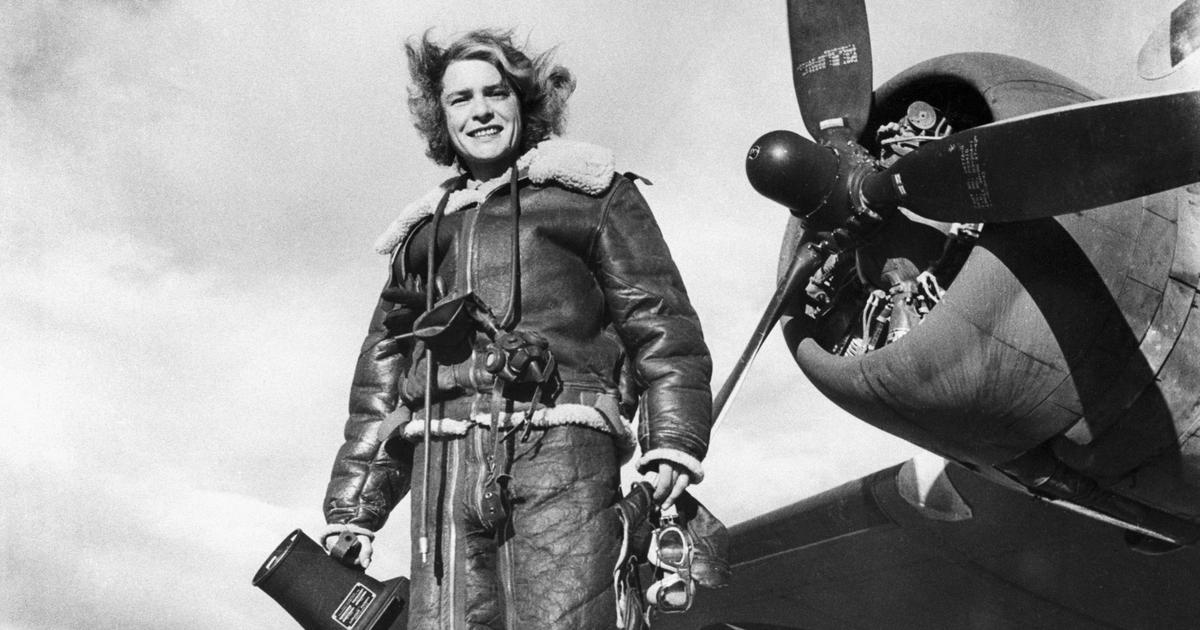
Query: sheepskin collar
578,166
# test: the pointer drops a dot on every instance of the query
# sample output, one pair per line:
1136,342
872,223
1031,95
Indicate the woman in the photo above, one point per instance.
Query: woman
555,307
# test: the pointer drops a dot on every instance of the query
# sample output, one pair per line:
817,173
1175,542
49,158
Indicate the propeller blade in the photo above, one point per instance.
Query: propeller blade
807,261
1050,163
831,63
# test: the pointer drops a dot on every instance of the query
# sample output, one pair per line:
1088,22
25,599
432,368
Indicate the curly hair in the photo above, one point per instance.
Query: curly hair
542,88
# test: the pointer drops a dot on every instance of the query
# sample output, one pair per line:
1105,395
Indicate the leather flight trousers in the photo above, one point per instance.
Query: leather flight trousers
549,564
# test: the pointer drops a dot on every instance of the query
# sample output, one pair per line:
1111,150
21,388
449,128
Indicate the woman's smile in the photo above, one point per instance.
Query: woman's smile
485,132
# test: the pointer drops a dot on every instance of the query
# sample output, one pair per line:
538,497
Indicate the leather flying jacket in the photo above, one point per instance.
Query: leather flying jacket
597,281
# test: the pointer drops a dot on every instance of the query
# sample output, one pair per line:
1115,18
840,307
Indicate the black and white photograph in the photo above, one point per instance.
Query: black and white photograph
533,315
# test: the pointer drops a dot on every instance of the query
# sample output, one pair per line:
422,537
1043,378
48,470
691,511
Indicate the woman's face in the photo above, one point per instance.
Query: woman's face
483,117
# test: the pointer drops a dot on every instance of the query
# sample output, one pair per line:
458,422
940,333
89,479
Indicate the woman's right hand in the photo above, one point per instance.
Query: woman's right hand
360,558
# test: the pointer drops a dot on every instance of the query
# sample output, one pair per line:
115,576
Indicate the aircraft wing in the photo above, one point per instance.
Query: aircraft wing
977,554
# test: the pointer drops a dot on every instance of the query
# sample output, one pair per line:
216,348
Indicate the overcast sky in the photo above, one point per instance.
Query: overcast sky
188,195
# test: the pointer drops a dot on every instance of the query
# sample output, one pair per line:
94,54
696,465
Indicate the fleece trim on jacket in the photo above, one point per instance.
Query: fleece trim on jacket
543,418
578,166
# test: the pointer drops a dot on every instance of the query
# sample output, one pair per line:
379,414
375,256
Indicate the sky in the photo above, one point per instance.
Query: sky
189,191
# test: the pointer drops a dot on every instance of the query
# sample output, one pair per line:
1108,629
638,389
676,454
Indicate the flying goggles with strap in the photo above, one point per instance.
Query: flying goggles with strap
671,552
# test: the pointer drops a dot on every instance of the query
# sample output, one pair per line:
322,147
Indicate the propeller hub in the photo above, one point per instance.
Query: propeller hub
822,184
787,168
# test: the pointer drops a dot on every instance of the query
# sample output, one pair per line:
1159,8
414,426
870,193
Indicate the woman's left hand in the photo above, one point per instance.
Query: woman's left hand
670,482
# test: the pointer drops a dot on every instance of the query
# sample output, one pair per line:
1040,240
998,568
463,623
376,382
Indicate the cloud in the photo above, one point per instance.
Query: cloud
162,435
120,551
155,450
182,300
248,135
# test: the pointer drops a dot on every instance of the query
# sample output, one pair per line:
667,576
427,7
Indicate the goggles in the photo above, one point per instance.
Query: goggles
671,594
671,553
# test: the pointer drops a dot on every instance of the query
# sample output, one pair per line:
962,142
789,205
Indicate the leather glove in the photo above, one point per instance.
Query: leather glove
407,307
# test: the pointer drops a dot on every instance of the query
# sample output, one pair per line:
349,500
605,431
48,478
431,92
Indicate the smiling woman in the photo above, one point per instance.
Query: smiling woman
538,87
482,116
523,411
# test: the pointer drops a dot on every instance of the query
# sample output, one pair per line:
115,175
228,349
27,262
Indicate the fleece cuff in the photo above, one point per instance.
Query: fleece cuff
674,456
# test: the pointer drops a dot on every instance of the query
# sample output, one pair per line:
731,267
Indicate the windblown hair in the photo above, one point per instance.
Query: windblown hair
542,88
